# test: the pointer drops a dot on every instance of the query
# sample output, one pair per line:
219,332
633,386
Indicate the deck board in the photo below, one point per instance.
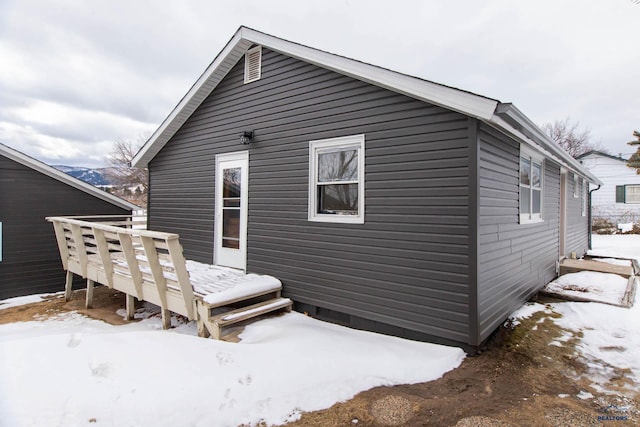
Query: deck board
577,265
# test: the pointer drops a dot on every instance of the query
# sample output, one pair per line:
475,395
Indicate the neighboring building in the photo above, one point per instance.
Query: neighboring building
380,200
29,192
618,199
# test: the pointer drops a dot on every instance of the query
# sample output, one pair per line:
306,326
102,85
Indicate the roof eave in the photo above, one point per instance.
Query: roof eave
512,120
54,173
450,98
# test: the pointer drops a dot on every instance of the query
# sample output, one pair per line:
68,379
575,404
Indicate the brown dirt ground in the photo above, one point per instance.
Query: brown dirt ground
515,380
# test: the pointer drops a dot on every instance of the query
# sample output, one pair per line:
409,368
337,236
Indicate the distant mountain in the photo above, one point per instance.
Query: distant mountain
97,177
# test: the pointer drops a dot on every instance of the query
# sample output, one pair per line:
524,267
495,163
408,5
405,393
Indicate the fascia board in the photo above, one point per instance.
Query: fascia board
64,178
424,90
205,84
451,98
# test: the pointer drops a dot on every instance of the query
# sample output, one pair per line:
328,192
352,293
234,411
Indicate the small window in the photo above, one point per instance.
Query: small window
531,187
253,64
576,192
628,194
336,179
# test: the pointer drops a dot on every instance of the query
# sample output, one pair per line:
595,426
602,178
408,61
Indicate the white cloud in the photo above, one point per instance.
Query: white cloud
108,69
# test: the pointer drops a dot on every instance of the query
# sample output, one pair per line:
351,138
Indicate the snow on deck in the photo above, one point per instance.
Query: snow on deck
590,285
220,284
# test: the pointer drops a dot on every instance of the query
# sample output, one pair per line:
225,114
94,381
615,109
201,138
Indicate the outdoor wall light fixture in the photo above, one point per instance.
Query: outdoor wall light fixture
246,137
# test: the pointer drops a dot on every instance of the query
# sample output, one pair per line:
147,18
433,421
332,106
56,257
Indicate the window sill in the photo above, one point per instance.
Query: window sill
338,219
531,221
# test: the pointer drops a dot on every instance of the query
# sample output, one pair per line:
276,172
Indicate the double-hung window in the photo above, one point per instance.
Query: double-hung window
628,193
531,186
336,179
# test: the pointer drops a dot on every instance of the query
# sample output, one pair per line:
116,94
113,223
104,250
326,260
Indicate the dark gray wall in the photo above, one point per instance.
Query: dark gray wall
407,266
516,260
577,238
30,259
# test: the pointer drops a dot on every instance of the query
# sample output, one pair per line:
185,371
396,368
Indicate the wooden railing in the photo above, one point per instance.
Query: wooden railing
147,265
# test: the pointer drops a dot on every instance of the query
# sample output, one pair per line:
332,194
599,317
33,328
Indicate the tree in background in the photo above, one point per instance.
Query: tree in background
570,137
634,160
129,182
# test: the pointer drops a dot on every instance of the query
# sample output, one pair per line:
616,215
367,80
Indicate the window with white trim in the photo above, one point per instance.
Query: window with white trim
336,179
531,186
627,193
576,192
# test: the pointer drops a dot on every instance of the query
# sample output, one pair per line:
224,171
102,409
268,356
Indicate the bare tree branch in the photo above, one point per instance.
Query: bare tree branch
131,183
570,137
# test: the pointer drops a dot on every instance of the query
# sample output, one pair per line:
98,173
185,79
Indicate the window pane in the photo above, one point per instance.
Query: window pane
536,202
633,194
231,243
525,200
231,223
232,180
536,173
338,199
338,166
525,167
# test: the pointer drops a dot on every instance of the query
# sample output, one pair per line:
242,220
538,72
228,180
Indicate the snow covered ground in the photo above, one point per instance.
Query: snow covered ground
70,370
74,371
610,344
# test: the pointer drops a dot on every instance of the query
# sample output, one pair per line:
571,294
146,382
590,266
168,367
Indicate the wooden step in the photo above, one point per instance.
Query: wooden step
244,313
577,265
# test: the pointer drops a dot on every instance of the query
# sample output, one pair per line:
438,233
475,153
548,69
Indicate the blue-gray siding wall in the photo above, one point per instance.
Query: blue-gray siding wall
577,238
407,266
516,260
30,259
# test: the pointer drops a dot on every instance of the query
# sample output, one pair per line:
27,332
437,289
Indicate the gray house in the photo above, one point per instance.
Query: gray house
380,200
30,191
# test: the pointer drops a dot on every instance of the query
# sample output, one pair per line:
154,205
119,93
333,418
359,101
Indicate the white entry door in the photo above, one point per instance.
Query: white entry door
232,173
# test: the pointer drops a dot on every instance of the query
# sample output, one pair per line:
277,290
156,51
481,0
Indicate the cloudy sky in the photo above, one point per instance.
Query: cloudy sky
77,75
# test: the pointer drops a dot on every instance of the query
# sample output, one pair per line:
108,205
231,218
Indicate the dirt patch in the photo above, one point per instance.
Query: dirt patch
106,303
527,375
524,377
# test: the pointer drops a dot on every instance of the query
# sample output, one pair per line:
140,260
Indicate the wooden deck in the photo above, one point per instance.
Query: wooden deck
577,265
149,265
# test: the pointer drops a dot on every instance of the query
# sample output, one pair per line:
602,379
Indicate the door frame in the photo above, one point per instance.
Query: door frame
562,244
220,254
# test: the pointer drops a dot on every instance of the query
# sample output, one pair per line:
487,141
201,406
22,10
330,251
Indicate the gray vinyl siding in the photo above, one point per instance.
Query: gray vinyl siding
406,266
514,260
577,225
30,259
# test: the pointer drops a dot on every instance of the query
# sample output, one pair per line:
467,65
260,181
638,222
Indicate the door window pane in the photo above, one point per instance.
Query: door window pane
232,180
231,187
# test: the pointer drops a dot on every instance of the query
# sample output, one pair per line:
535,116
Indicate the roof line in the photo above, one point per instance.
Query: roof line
601,153
451,98
54,173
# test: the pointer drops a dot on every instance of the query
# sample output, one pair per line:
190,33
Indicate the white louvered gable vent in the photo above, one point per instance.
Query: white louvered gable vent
253,64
